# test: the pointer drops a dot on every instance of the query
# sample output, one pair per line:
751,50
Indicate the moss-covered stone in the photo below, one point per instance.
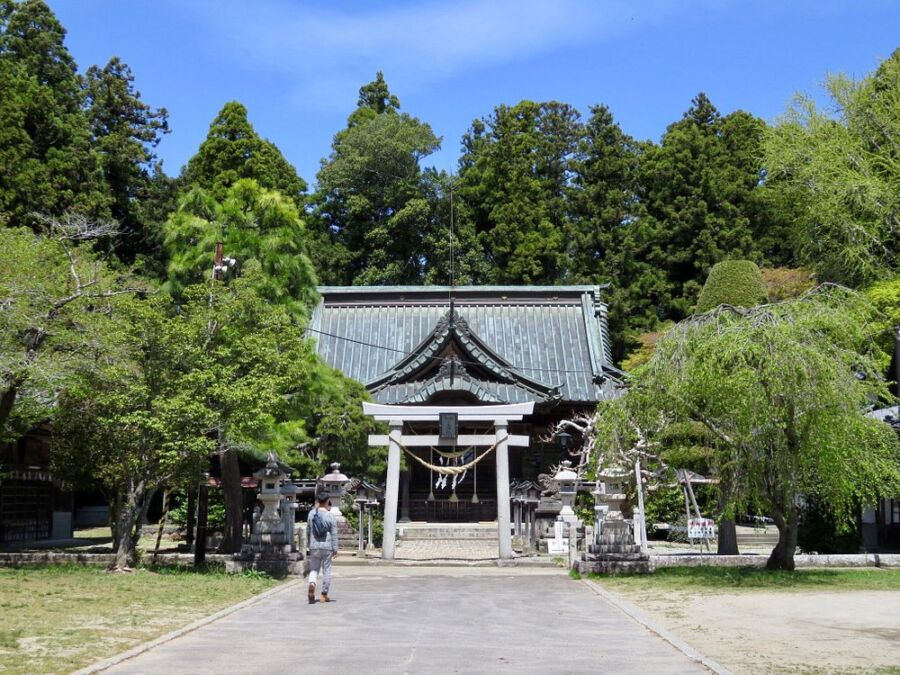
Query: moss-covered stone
732,282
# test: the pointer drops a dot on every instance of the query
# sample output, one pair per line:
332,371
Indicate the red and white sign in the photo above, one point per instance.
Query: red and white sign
701,528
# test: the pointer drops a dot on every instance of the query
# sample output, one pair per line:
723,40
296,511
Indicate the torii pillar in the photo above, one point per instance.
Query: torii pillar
396,415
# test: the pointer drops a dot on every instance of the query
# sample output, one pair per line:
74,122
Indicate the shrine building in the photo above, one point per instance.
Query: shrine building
475,346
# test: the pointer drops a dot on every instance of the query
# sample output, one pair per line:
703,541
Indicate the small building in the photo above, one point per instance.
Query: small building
33,506
881,523
472,345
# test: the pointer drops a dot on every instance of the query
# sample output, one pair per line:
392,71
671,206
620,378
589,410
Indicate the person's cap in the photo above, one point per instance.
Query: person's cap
322,496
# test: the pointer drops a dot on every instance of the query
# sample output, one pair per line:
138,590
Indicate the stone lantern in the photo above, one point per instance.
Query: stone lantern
335,484
271,478
288,511
372,505
515,498
270,548
362,500
567,480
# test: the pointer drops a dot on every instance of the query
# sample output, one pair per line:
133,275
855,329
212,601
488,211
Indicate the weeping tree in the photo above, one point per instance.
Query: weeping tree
783,389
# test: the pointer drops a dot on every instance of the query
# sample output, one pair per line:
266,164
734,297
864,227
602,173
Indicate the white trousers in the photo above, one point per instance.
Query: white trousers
320,559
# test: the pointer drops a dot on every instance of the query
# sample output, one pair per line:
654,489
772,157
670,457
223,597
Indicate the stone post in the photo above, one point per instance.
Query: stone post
392,490
503,525
405,478
532,526
370,545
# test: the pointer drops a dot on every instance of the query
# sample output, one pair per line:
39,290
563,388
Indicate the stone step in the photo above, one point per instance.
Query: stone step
614,550
447,531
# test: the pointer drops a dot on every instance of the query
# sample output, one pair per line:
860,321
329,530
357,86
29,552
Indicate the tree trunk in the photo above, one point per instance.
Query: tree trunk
142,518
130,509
191,518
7,401
114,510
727,543
234,506
166,500
782,556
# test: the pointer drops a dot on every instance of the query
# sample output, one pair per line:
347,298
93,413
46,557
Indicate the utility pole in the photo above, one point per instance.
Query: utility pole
218,264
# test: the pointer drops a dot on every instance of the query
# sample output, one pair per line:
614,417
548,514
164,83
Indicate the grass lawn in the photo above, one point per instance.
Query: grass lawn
740,578
60,618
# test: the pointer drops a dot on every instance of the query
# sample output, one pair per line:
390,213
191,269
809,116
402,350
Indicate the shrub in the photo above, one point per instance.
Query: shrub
732,282
784,283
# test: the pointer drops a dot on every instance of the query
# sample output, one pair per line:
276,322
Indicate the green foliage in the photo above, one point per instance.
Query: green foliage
819,532
56,296
233,151
665,504
732,282
885,295
125,132
258,227
786,283
375,98
178,514
689,579
646,347
514,176
700,204
604,208
372,201
840,167
778,388
45,145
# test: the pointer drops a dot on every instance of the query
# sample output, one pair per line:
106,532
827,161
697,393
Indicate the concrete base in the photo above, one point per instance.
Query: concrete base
274,567
268,552
616,567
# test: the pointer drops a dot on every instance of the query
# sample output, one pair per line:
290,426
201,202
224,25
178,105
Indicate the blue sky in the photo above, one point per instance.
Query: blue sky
297,66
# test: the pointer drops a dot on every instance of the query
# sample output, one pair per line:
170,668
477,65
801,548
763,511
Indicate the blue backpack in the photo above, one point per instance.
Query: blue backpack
320,528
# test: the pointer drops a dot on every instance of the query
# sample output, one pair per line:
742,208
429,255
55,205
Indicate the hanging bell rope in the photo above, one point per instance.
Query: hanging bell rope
447,470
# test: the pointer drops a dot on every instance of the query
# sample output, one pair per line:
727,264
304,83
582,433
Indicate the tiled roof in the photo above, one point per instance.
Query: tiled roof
526,340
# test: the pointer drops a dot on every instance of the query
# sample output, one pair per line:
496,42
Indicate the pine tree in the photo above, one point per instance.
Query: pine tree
232,151
372,203
125,132
601,247
700,198
515,176
46,161
258,228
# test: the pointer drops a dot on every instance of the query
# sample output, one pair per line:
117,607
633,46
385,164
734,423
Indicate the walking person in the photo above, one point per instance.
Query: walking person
322,538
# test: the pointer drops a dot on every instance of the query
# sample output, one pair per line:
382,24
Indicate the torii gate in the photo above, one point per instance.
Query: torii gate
396,415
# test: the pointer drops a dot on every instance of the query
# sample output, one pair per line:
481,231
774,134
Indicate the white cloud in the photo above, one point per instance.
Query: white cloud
325,53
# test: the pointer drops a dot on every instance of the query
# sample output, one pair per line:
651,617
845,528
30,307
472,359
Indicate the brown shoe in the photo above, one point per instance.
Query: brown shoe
311,594
325,597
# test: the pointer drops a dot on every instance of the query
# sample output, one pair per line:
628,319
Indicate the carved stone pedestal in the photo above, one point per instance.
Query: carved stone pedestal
613,550
615,553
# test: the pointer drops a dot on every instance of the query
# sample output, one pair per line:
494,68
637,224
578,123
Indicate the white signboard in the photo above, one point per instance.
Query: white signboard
557,547
701,528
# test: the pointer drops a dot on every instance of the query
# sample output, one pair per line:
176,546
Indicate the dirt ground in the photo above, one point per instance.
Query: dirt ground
753,631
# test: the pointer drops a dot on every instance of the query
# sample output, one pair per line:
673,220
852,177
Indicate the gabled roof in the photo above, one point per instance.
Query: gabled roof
498,343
